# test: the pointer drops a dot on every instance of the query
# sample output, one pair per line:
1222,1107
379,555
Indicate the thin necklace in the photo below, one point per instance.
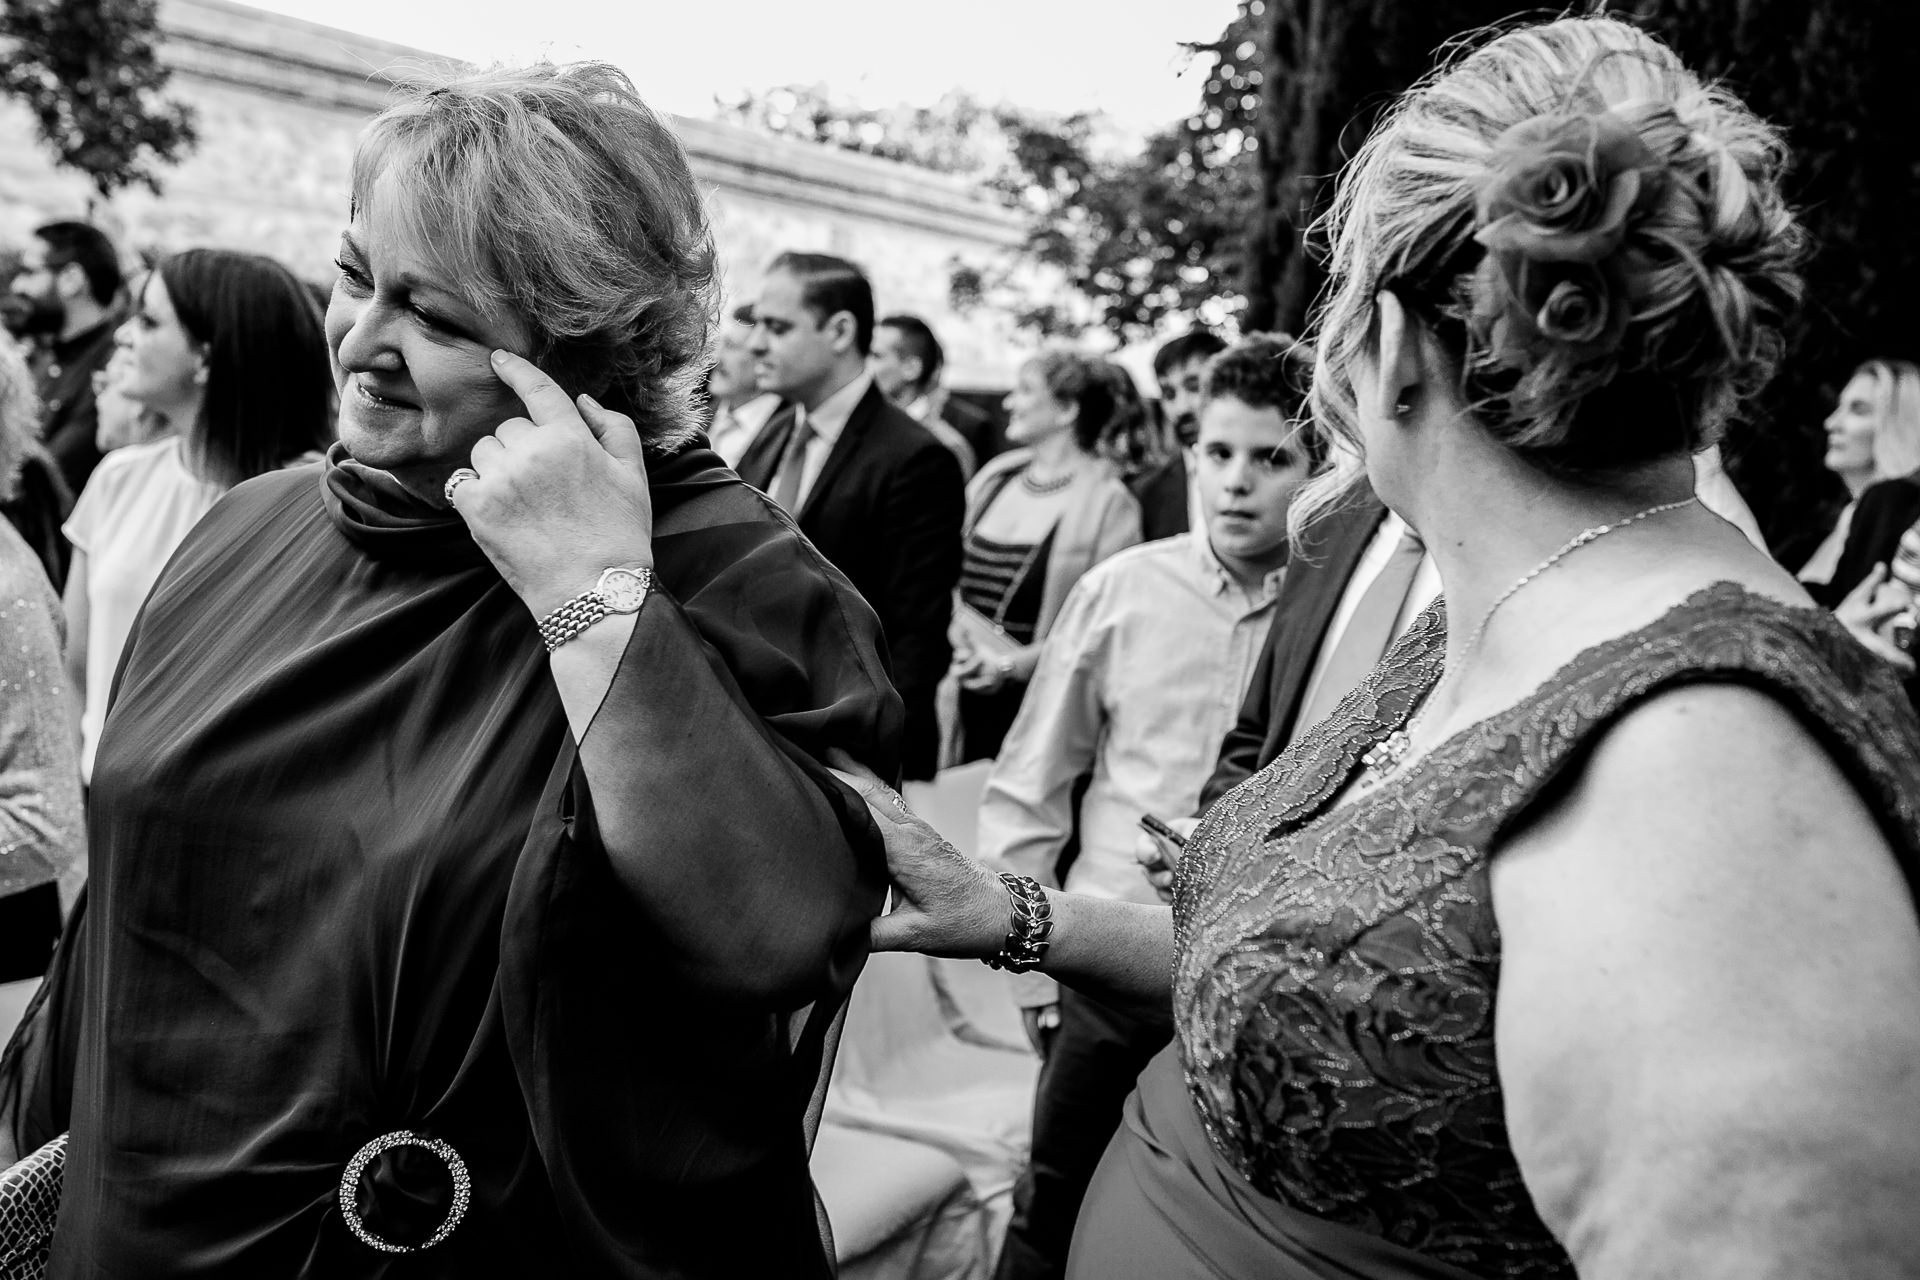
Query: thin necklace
1391,750
1041,488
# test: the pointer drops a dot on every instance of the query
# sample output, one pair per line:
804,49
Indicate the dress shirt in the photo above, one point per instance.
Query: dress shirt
826,422
735,429
1137,683
1425,588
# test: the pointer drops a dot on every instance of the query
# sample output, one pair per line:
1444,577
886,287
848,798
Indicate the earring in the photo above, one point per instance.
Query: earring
1402,407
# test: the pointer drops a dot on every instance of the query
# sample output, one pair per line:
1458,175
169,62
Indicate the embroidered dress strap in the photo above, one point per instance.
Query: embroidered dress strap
1723,634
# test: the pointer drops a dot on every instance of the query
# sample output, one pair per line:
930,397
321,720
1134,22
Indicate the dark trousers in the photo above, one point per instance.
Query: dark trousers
1096,1056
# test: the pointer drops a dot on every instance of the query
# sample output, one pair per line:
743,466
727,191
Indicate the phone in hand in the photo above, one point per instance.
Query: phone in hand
1155,827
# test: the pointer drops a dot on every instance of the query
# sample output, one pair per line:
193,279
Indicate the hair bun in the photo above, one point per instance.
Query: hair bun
1554,292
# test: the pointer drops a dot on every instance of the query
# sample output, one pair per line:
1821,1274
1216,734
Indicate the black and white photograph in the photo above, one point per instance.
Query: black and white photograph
1030,640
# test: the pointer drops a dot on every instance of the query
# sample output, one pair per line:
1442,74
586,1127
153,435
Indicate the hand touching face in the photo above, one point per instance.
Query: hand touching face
419,386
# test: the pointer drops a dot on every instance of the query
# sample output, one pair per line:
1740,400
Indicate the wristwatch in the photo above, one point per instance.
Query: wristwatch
621,589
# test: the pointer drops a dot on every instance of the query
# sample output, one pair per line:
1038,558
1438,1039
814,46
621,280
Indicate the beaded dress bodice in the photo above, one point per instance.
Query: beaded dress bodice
1336,969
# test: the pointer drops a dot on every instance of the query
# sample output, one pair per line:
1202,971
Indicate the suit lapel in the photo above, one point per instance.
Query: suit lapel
1307,611
757,464
858,424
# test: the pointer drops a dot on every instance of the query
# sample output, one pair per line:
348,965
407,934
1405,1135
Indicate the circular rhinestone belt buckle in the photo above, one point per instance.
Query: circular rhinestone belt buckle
350,1188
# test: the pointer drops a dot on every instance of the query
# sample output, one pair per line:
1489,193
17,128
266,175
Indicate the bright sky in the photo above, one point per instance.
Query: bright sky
1119,56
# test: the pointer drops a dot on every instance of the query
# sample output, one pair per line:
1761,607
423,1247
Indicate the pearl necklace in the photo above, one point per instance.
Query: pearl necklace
1041,488
1391,750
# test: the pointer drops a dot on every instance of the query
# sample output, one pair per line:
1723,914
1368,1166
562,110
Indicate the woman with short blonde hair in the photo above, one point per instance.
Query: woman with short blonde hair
466,880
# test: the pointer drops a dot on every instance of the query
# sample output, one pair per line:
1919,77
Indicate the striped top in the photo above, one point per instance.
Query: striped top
1004,581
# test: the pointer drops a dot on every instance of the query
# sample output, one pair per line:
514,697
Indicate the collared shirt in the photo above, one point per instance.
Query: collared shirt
826,423
1137,683
733,430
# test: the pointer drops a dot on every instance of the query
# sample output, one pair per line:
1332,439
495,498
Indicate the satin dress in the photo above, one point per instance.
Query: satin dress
346,883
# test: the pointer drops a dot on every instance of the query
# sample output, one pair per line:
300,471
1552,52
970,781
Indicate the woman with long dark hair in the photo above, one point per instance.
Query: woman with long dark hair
226,351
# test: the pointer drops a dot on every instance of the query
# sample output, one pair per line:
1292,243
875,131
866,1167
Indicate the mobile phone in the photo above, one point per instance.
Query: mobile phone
1156,827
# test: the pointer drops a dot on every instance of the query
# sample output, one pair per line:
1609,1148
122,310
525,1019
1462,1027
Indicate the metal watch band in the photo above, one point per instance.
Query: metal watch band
1030,929
621,589
571,618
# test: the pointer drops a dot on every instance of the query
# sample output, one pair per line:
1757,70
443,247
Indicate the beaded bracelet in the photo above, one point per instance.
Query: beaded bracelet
1029,930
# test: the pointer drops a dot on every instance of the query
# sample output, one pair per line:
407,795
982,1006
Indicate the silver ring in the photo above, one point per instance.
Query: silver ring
899,801
459,477
350,1185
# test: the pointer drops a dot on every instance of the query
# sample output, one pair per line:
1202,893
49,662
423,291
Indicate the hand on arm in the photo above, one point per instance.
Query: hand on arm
1709,1006
946,904
754,896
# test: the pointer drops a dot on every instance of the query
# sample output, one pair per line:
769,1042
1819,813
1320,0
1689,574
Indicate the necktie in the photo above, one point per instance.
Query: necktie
1369,631
793,461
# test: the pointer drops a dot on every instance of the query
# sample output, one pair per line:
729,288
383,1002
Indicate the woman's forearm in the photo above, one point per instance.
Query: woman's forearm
1119,953
726,843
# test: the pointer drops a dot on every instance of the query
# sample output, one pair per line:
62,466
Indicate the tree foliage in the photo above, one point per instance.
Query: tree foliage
956,134
1138,232
1212,216
88,71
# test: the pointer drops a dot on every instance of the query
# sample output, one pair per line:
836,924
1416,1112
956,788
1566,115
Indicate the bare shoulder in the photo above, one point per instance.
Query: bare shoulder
1716,802
1709,1001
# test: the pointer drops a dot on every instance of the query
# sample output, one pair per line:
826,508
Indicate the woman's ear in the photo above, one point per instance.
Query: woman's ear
1398,368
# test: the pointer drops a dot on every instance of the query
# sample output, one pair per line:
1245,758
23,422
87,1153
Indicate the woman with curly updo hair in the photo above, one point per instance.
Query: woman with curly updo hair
466,881
1581,937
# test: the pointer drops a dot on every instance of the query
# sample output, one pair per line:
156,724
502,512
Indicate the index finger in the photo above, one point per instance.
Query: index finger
546,402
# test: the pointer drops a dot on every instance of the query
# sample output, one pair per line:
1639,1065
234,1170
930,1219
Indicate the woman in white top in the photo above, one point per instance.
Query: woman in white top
228,349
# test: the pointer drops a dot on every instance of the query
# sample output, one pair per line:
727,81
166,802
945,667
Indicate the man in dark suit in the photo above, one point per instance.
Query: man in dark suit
1178,366
874,491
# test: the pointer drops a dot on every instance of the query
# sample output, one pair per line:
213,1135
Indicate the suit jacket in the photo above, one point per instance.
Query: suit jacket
1316,579
1163,498
886,510
1885,511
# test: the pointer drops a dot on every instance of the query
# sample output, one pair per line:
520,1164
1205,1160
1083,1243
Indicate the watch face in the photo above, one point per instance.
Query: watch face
624,590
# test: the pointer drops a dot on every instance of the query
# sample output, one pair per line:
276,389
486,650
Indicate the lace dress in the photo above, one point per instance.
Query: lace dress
1332,1106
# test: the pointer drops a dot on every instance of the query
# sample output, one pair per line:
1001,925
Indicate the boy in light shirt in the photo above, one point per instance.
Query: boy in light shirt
1139,680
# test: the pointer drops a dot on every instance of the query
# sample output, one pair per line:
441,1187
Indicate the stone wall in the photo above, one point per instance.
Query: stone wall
281,101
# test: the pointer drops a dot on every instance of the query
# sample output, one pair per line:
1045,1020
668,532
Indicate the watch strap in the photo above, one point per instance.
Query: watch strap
585,609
